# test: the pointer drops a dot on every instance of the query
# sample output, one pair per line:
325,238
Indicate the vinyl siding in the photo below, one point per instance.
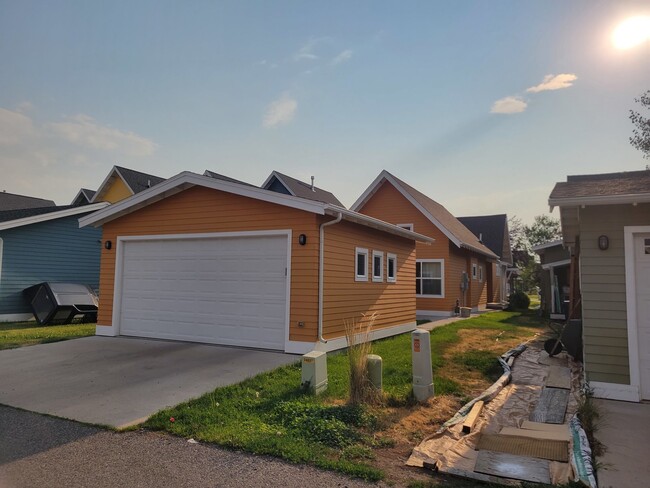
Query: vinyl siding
346,299
116,192
602,277
55,250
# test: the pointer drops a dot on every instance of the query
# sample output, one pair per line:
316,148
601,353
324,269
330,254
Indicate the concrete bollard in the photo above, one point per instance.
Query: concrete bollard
375,371
422,371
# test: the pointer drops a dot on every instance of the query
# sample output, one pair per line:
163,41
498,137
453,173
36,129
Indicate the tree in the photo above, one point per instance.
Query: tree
641,134
517,235
543,229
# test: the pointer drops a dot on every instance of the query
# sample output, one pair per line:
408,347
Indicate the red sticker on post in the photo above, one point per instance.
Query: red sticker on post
416,345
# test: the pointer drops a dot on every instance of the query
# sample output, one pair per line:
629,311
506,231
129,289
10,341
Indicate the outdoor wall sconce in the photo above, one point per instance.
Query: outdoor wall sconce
603,242
302,239
108,244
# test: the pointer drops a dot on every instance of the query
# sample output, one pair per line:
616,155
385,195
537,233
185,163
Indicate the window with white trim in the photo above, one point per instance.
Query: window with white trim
480,273
430,278
377,266
406,226
391,268
474,271
361,264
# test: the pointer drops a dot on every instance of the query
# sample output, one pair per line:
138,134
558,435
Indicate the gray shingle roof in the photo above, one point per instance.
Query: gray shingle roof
11,201
607,184
493,230
137,180
304,190
218,176
8,215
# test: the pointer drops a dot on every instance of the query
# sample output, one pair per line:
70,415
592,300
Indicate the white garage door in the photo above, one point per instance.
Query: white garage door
642,272
225,290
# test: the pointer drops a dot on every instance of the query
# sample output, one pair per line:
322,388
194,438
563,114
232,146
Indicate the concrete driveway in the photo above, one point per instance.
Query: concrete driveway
120,381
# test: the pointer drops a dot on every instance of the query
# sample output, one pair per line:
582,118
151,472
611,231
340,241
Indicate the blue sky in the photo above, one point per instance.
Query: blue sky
338,90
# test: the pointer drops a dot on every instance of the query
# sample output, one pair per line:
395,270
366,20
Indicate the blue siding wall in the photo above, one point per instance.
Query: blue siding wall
56,250
278,187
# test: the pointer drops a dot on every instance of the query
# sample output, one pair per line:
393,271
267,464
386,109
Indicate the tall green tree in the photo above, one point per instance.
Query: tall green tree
641,134
543,229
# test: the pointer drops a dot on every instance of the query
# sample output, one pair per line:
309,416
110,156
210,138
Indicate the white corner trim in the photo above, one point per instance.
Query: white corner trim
615,391
17,317
341,342
433,313
630,299
10,224
105,330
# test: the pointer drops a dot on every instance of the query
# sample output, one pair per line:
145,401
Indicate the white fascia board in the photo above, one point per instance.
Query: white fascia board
490,254
126,183
186,180
368,221
275,175
100,189
546,245
52,215
599,200
555,264
389,178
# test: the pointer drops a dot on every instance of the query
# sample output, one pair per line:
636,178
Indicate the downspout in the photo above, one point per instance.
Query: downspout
321,273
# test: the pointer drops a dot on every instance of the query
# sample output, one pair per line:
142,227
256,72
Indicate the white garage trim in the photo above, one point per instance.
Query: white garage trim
114,330
630,295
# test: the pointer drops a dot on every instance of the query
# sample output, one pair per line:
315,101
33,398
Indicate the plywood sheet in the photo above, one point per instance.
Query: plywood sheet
547,360
513,467
551,406
553,450
529,425
558,377
537,434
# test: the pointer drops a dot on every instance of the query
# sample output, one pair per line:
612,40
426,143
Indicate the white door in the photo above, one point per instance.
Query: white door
642,272
220,290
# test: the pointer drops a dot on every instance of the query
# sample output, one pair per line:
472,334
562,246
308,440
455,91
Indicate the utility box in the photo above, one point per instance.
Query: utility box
422,371
314,371
465,312
375,373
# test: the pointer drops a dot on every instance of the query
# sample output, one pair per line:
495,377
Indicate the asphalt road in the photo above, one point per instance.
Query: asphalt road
41,451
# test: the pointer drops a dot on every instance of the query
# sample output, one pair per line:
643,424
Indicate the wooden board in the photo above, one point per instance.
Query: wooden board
513,467
558,377
551,406
544,358
472,417
553,450
537,434
529,425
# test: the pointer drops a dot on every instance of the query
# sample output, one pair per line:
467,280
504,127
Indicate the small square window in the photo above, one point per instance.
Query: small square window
377,266
361,264
391,268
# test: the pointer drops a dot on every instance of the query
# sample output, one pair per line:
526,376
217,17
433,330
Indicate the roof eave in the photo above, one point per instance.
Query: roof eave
12,224
599,200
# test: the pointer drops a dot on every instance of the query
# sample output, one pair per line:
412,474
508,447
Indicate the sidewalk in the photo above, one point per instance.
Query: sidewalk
625,432
435,322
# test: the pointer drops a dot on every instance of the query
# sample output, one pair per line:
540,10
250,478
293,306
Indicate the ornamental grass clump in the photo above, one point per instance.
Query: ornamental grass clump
357,334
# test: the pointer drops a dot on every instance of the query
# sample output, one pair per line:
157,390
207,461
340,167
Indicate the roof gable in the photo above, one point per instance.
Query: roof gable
449,225
492,230
83,197
12,201
277,181
135,181
10,219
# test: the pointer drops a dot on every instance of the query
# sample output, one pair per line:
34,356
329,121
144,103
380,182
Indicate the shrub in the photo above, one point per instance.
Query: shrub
519,301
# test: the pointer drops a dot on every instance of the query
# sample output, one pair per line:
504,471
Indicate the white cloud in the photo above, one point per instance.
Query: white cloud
509,105
306,52
554,82
82,130
342,57
280,111
25,106
14,127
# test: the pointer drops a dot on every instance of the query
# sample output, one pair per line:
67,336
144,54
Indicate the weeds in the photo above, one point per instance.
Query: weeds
357,335
589,416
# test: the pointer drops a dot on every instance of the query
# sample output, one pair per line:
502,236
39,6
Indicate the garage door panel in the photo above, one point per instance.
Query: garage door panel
219,290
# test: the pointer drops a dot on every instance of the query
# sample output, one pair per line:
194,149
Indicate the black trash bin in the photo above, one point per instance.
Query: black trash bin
61,303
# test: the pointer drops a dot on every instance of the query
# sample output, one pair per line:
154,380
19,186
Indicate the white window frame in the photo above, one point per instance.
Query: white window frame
391,257
406,226
360,251
480,273
378,278
474,270
442,278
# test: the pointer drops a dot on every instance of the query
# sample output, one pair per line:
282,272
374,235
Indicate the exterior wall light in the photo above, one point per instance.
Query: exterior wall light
603,243
108,244
302,239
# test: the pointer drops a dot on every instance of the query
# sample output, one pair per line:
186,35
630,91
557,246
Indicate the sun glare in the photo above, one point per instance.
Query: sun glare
632,32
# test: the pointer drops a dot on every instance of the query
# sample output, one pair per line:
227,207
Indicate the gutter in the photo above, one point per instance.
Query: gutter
321,273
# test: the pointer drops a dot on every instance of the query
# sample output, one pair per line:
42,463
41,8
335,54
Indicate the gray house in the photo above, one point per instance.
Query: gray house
606,228
555,260
45,244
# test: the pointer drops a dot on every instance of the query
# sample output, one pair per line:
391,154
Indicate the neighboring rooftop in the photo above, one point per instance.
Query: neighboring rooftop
11,201
218,176
137,180
282,183
437,214
7,215
621,186
83,197
10,219
492,230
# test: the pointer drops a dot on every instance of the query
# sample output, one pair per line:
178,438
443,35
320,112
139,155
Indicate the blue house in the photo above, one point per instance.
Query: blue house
45,244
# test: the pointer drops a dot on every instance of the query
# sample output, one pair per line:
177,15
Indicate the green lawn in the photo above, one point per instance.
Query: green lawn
270,414
18,334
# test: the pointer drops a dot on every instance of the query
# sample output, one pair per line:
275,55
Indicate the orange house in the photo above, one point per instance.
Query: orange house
202,259
450,272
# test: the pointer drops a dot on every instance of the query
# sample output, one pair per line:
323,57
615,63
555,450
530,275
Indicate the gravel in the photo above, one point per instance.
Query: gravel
37,451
